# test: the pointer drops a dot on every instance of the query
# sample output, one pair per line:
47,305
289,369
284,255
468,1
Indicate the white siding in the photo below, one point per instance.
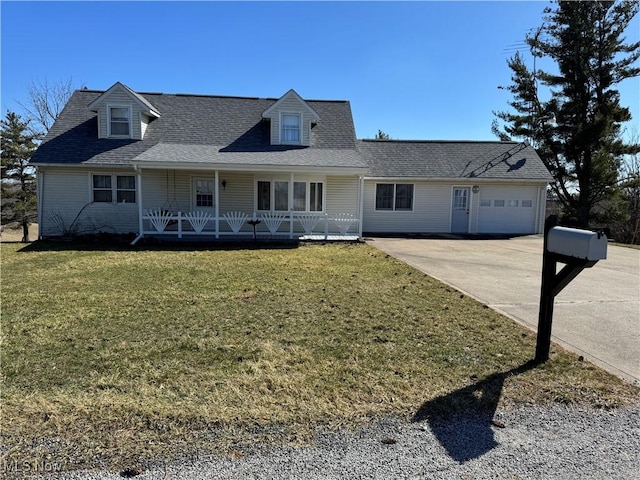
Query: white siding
238,196
342,195
431,209
67,195
119,96
291,104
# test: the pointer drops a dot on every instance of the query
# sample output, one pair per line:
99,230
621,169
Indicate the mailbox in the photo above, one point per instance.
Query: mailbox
582,244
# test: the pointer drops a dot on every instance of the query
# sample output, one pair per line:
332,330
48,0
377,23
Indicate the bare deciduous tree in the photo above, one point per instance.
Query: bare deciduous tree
46,101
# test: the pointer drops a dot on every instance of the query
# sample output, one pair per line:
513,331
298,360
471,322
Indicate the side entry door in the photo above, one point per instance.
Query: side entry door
460,210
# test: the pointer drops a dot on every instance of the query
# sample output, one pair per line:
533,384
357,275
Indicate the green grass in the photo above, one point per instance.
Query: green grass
112,357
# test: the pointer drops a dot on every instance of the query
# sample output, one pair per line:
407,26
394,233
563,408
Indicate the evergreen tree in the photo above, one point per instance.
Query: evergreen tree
584,149
382,136
18,178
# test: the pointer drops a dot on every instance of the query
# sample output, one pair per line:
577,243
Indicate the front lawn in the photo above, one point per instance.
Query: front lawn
112,357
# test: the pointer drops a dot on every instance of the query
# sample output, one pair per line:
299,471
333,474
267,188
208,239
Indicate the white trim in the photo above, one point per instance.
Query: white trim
139,196
216,200
39,199
257,169
92,106
114,187
361,205
291,180
267,113
393,209
129,109
193,202
300,135
467,187
510,181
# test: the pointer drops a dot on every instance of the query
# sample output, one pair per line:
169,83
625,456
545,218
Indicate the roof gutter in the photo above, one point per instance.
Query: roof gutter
460,180
249,167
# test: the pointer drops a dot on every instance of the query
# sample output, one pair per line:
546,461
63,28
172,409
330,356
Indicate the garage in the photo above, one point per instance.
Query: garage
465,187
512,209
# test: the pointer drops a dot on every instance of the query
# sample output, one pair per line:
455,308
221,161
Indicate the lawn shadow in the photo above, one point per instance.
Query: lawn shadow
116,245
462,420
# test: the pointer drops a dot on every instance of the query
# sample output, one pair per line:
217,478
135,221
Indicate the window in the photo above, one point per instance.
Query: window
307,196
498,203
384,196
102,188
264,195
119,121
404,196
290,128
315,196
485,202
512,203
126,189
394,196
203,192
105,189
281,196
299,196
527,203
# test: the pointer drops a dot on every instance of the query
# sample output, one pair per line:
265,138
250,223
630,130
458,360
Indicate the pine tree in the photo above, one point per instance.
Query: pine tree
584,149
382,136
18,177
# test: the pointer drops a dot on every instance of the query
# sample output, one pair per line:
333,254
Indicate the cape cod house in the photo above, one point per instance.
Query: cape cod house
199,166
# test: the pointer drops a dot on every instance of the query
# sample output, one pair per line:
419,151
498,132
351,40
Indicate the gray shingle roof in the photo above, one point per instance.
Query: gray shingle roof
231,131
231,128
452,159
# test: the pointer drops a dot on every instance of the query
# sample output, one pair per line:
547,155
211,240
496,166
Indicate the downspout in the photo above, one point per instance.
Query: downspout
139,195
361,205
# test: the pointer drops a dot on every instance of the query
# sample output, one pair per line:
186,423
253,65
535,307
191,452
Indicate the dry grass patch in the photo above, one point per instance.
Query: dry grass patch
110,357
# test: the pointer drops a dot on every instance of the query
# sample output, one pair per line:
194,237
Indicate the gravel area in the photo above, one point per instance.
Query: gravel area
531,442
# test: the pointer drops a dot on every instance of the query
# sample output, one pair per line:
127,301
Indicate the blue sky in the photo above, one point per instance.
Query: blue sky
416,70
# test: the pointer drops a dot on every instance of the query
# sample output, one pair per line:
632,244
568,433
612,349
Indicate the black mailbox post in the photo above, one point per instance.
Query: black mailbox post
577,249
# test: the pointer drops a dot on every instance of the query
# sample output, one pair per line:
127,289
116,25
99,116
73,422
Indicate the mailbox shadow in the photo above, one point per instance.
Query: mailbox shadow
462,420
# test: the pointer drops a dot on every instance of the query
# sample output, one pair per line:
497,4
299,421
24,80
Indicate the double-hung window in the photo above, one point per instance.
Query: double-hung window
307,196
119,121
203,192
394,196
290,128
102,190
106,188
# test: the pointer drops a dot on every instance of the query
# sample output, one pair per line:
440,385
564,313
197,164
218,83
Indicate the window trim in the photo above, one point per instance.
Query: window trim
113,188
293,114
272,194
194,192
394,207
130,110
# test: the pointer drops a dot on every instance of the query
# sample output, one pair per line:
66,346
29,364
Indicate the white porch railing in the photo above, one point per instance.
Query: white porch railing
299,225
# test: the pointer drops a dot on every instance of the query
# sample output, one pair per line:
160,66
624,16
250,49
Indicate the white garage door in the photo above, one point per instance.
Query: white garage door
507,209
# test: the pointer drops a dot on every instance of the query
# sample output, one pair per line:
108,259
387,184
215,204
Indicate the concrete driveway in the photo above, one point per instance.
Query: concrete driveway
597,315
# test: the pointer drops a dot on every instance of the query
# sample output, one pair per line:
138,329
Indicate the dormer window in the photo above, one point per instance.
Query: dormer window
120,121
290,128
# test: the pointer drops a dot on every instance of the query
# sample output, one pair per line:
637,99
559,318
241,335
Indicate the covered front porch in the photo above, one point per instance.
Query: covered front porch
272,204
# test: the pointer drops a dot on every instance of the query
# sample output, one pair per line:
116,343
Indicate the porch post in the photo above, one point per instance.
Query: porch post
217,207
139,196
291,209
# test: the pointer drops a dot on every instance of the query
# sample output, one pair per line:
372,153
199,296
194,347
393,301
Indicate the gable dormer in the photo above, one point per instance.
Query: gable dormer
122,113
291,119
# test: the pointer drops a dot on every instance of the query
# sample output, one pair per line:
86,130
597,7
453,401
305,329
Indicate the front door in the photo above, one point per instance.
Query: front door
460,210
